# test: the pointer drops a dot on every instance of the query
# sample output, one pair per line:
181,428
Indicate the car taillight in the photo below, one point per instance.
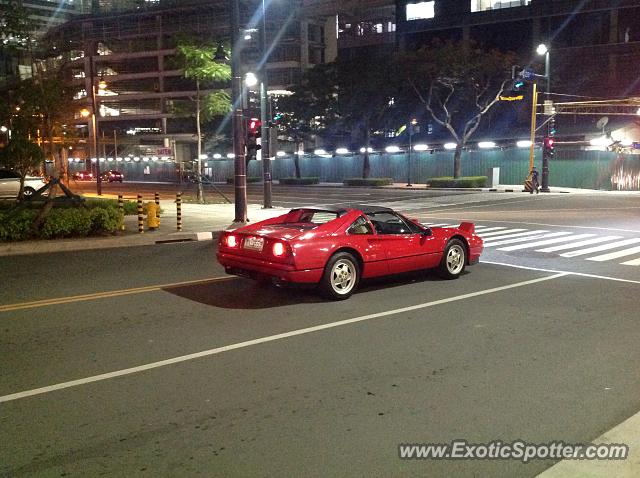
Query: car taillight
232,241
278,249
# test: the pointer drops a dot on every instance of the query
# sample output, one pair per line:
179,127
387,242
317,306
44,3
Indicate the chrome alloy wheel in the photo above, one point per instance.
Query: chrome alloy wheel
343,276
455,259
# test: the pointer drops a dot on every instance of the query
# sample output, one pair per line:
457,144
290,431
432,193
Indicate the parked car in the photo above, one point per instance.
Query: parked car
83,176
112,175
335,247
10,184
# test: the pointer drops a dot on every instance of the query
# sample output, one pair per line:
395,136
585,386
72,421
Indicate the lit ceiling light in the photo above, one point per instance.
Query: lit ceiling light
450,146
368,150
342,151
281,154
486,144
231,155
250,79
392,149
319,152
421,147
217,156
525,143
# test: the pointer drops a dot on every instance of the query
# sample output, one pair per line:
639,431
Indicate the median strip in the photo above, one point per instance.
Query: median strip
261,340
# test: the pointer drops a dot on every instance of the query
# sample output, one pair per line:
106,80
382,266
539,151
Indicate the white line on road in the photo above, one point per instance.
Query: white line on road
604,247
537,232
491,243
615,255
575,245
633,262
271,338
580,274
497,233
544,243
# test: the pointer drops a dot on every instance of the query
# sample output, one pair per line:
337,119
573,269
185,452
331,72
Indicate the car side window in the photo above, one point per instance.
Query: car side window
389,223
360,226
6,174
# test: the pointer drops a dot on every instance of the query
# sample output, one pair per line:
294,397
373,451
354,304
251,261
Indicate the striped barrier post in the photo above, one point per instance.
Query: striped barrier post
121,210
157,199
179,211
140,215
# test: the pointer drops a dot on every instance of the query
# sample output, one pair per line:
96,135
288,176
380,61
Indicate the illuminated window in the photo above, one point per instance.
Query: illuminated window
482,5
420,11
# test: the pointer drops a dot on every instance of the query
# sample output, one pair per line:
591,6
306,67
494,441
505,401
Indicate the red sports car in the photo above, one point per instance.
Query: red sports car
335,247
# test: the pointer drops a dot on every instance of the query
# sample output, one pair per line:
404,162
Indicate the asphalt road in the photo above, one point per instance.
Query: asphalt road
541,347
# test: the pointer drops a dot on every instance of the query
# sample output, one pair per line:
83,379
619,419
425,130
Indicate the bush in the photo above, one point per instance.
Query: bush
299,181
130,207
368,182
67,221
15,226
249,180
464,182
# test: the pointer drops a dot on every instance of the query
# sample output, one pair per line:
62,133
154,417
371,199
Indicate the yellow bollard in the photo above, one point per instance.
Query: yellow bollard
179,211
140,215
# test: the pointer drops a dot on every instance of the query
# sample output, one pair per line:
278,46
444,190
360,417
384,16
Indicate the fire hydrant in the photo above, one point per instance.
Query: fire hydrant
153,215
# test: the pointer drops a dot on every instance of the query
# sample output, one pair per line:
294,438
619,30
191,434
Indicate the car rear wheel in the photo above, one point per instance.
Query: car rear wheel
28,191
341,276
453,260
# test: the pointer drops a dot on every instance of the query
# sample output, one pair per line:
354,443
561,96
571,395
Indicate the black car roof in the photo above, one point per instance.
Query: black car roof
342,208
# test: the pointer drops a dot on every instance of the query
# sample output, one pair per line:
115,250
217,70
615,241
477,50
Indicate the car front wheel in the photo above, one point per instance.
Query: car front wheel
341,276
28,191
453,260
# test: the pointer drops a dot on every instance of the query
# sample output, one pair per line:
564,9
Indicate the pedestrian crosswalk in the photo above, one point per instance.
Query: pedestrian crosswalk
589,246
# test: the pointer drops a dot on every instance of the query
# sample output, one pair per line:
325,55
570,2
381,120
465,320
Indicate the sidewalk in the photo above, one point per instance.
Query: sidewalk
199,222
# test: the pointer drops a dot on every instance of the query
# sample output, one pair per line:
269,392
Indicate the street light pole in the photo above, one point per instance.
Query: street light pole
265,130
547,96
412,124
94,124
237,120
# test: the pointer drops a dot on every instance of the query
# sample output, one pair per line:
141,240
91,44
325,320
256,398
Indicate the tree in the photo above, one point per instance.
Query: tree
348,95
458,83
197,62
23,156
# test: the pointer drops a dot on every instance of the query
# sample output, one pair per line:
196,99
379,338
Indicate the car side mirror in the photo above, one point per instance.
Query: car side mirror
426,233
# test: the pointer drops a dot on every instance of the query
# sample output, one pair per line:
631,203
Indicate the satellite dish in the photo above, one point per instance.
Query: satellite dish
602,122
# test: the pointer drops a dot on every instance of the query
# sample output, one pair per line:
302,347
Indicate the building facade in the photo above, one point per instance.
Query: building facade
133,51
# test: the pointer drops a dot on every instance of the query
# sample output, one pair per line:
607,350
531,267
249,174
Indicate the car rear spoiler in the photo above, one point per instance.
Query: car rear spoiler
468,227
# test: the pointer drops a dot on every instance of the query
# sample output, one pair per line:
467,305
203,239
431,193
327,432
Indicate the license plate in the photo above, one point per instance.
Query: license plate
254,243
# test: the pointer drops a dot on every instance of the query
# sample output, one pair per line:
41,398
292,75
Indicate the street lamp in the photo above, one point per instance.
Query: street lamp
544,50
412,125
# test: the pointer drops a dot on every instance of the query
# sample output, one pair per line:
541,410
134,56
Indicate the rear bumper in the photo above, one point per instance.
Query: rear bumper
256,269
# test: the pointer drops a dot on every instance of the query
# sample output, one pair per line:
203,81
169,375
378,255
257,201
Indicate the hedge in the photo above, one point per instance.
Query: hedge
299,181
464,182
249,180
368,182
15,224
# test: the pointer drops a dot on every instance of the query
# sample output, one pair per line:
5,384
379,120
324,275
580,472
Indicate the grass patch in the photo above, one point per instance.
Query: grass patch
368,182
463,182
299,181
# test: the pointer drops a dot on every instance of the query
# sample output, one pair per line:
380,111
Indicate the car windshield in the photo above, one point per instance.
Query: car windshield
312,217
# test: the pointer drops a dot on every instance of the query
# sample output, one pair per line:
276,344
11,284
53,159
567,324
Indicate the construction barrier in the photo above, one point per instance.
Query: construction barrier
121,210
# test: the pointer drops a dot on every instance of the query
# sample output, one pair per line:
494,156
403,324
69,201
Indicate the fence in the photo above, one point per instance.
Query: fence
578,169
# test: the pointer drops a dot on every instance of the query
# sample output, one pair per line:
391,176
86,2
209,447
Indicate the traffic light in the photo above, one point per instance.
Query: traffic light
518,85
253,133
549,147
254,126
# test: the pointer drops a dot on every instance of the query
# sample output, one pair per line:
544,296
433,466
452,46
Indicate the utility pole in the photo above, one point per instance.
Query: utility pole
545,157
265,132
237,120
94,122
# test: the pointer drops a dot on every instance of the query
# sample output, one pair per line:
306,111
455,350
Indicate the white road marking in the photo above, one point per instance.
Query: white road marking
497,233
634,262
261,340
544,243
615,255
575,245
524,239
519,234
604,247
580,274
486,229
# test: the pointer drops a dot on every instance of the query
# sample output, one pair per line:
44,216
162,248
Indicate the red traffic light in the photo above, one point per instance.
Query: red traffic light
253,126
549,142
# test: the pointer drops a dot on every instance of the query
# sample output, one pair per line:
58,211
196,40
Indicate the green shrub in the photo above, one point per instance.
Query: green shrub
130,207
105,220
66,222
368,182
16,226
299,181
464,182
249,180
